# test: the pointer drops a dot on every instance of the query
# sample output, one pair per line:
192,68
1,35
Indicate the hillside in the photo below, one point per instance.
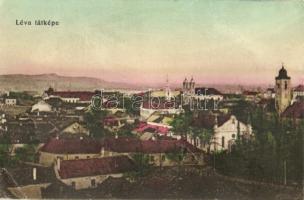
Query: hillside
21,82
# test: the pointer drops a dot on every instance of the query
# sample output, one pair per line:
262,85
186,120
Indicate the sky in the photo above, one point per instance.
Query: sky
141,41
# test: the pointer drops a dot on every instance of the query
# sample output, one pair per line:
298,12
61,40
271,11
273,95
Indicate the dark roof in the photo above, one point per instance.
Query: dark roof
250,93
57,189
282,74
23,175
207,91
128,144
95,166
295,110
271,90
71,146
207,120
299,88
82,95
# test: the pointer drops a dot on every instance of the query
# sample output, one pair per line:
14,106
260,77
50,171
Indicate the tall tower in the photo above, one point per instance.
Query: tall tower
168,91
282,90
192,85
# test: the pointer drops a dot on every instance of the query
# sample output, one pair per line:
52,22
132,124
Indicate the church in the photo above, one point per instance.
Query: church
283,90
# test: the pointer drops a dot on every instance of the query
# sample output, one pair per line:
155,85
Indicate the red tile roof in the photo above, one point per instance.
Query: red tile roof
299,88
128,145
82,95
295,110
71,146
95,166
119,145
144,127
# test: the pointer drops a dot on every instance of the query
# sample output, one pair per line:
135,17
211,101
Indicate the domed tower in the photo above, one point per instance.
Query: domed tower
192,85
185,83
283,93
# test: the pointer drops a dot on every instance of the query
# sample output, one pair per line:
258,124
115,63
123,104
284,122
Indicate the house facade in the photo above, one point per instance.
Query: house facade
68,149
88,173
225,130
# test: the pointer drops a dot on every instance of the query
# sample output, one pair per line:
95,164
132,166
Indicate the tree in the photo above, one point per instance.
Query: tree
93,119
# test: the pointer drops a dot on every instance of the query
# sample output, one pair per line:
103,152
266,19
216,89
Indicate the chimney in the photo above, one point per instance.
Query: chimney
34,173
58,164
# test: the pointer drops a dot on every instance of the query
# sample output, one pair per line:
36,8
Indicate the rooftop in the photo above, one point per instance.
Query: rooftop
95,166
71,146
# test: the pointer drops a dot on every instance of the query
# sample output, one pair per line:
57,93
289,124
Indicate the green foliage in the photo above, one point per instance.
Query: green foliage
26,153
182,123
142,162
93,119
276,140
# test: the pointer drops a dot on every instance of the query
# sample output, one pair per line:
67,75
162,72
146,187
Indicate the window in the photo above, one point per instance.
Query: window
285,85
93,183
223,141
152,158
163,157
233,136
88,156
233,121
76,157
73,185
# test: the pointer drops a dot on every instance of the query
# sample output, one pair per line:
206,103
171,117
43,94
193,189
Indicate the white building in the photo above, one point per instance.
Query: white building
298,92
41,106
225,130
226,134
10,101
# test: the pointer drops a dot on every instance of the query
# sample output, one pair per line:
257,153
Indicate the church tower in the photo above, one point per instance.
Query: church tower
283,93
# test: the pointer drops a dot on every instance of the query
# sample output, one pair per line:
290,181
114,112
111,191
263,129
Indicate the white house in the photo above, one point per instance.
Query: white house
10,101
88,173
298,92
41,106
226,134
225,130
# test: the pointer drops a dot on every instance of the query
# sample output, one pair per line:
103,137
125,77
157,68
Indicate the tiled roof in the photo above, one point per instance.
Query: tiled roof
71,146
144,127
206,120
207,91
23,175
295,110
120,145
95,166
128,145
299,88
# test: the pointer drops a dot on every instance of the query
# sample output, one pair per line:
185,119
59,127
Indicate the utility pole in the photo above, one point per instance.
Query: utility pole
285,176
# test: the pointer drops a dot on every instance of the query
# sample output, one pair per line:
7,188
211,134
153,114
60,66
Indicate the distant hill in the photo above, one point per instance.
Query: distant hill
40,82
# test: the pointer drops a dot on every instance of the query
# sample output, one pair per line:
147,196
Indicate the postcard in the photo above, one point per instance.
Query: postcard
151,99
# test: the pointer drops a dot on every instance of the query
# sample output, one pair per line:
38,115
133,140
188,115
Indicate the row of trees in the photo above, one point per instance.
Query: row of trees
276,153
